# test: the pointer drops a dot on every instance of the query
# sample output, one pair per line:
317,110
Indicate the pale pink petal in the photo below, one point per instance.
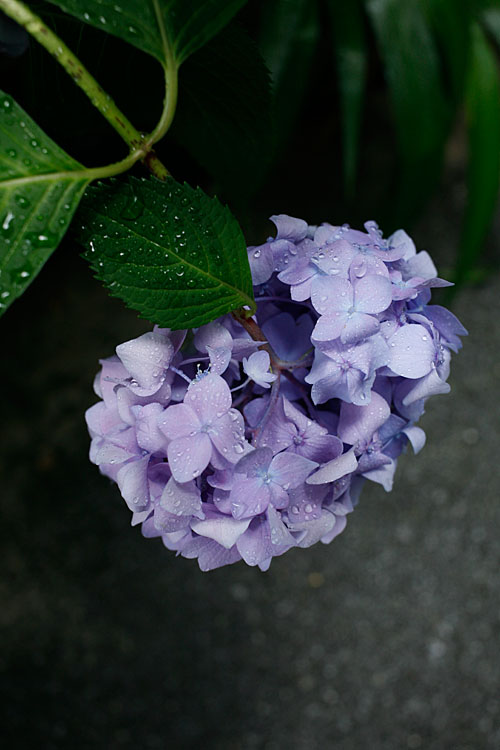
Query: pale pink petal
178,421
357,424
209,397
334,469
411,351
225,530
133,483
189,456
372,294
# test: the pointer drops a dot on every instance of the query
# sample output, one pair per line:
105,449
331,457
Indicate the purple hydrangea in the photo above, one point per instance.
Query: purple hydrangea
249,437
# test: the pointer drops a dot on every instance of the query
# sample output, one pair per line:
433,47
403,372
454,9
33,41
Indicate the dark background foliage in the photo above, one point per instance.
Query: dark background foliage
369,103
388,637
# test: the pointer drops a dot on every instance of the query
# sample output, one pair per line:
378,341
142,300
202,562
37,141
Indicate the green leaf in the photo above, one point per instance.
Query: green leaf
421,112
290,32
224,113
450,22
491,19
351,57
168,251
158,27
483,117
40,188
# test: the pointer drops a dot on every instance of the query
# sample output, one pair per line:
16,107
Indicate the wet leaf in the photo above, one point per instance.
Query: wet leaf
421,112
169,251
224,112
290,32
351,55
40,188
157,27
483,117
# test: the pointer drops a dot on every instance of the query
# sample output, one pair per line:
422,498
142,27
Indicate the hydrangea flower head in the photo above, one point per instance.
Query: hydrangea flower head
252,437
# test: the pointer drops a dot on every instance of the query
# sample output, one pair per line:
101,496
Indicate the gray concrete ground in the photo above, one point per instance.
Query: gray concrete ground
386,639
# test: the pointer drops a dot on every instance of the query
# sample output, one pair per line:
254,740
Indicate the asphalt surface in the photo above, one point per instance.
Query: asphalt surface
386,639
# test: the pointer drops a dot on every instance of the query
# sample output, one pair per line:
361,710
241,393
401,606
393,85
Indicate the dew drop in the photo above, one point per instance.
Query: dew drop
7,220
256,254
132,210
360,271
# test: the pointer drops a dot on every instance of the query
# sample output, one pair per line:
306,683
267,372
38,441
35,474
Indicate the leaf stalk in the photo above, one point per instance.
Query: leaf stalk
140,144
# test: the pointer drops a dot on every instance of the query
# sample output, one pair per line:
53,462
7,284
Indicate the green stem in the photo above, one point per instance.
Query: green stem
95,173
171,81
140,146
72,65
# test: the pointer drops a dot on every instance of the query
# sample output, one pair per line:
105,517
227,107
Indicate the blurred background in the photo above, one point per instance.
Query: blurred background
387,638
